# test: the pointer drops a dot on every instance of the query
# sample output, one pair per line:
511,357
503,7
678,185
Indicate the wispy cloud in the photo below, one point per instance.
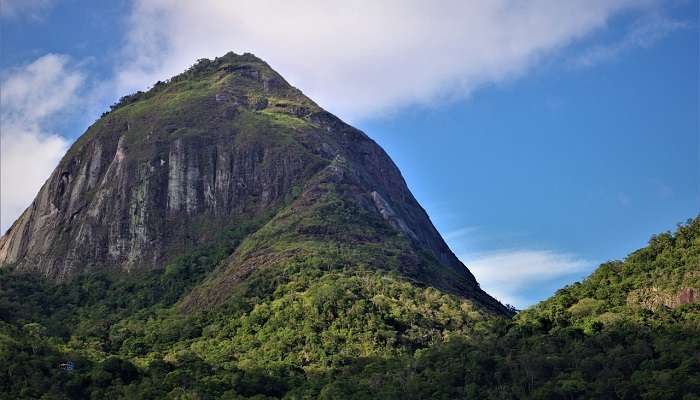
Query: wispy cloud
32,97
363,58
27,8
644,33
509,274
460,233
358,59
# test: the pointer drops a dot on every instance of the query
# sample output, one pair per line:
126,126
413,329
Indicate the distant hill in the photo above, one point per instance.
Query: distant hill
629,331
651,282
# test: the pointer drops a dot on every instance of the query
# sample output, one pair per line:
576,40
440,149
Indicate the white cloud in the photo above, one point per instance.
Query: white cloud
31,8
461,233
644,33
32,97
362,58
507,274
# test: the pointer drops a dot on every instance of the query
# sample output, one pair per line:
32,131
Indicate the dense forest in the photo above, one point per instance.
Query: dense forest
309,329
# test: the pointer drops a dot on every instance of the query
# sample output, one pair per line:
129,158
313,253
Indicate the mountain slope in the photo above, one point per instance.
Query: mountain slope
226,142
631,330
306,332
662,276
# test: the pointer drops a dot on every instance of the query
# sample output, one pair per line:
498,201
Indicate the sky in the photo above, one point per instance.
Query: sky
542,137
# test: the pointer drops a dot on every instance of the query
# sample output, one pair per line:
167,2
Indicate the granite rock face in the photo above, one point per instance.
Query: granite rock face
652,297
166,170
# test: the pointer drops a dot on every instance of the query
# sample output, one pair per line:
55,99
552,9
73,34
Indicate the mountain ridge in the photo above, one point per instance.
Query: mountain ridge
226,141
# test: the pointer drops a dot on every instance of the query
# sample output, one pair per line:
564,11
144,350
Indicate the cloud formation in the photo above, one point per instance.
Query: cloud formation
31,8
644,33
507,274
358,59
32,97
362,58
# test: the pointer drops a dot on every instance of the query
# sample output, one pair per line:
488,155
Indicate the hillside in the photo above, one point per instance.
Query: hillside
597,339
650,282
340,335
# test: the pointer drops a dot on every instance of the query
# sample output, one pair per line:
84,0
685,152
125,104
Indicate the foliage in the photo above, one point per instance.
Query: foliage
300,329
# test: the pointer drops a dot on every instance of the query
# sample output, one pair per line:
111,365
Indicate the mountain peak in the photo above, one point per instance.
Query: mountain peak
224,143
245,79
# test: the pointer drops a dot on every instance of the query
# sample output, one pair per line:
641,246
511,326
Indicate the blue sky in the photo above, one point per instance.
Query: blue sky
541,139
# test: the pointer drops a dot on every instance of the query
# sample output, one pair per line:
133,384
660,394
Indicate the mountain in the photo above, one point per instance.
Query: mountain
222,237
225,143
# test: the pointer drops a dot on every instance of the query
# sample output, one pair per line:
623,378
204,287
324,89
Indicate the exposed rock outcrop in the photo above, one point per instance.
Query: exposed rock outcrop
168,169
652,297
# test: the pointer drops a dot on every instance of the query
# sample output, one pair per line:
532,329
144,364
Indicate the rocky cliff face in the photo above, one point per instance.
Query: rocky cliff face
226,141
652,297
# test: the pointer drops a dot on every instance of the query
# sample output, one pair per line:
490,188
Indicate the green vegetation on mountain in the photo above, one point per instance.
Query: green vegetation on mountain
591,340
315,330
281,332
222,237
